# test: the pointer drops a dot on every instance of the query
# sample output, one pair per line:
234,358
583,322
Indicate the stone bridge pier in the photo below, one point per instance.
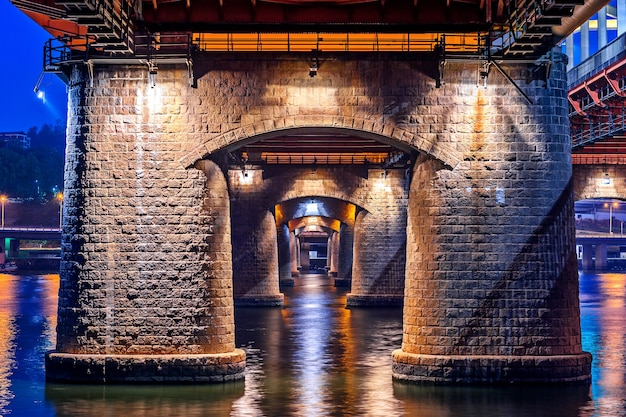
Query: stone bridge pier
162,236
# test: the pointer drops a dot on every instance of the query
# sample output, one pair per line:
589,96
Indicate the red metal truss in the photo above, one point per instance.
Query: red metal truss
599,88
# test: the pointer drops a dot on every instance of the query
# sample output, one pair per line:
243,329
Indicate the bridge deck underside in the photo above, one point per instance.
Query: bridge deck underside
523,29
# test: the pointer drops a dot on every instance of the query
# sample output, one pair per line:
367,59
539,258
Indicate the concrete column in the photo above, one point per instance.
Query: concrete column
284,256
14,248
294,254
345,256
299,253
602,34
584,41
587,261
621,17
305,261
492,287
329,255
601,257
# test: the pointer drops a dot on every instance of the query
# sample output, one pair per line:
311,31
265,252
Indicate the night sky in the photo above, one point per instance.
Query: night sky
21,49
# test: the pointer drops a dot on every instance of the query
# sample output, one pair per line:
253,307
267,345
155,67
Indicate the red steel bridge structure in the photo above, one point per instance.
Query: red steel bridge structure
597,99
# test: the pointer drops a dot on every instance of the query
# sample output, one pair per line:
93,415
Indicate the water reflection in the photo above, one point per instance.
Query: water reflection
7,340
142,401
603,319
312,358
438,401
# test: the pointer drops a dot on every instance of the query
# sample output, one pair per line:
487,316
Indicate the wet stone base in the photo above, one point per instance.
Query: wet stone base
343,282
277,300
491,369
147,369
390,300
286,282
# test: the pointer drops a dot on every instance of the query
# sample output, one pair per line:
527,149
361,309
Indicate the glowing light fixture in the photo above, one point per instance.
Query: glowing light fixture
59,198
41,95
314,66
246,176
607,179
483,73
152,73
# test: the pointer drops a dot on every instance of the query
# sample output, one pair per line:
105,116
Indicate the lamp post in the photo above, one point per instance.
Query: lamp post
611,205
3,200
59,198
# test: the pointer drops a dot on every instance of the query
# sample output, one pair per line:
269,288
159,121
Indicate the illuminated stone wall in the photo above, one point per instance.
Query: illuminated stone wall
491,283
599,181
378,277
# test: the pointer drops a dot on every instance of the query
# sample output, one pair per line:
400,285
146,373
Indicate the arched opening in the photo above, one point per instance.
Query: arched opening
295,197
600,238
320,231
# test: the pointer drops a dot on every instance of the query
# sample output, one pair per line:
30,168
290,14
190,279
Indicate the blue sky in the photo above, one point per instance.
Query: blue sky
21,49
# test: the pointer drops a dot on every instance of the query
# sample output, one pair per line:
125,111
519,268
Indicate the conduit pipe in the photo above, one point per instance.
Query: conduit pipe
581,14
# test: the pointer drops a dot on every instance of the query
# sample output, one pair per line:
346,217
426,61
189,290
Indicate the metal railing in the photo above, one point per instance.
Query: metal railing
598,130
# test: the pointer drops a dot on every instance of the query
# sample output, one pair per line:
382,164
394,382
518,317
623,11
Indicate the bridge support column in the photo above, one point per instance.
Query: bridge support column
334,242
284,256
380,244
491,290
146,271
255,257
587,261
601,257
294,249
345,256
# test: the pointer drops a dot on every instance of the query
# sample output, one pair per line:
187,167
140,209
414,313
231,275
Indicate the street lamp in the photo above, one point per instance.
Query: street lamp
611,205
59,198
3,199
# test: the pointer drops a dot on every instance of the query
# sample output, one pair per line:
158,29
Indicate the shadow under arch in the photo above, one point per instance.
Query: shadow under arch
402,139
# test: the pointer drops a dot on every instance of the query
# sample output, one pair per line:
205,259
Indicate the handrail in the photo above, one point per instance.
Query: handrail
594,131
30,229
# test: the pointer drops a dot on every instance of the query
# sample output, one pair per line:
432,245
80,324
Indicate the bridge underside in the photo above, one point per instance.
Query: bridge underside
196,174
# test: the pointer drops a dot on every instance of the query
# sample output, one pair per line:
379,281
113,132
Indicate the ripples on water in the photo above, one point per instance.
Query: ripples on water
312,358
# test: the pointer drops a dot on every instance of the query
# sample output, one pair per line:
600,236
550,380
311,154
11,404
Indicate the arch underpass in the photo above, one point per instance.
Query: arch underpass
353,189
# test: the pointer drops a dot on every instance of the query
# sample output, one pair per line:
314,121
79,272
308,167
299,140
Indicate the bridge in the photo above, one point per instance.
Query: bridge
10,247
33,233
216,148
594,247
597,97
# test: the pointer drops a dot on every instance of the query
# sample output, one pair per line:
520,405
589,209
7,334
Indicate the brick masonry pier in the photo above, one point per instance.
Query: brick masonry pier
161,236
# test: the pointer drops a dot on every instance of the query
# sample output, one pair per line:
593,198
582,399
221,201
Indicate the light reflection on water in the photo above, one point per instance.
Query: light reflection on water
312,358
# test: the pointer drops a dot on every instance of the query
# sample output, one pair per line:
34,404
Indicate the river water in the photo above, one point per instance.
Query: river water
312,358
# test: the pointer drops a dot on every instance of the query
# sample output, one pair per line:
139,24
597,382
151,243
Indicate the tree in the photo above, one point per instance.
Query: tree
35,173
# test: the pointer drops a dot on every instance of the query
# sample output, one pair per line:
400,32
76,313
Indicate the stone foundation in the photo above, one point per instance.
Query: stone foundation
490,369
260,301
146,369
159,237
358,300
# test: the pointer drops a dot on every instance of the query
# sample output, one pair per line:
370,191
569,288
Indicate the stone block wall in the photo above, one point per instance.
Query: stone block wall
147,265
590,181
382,199
491,281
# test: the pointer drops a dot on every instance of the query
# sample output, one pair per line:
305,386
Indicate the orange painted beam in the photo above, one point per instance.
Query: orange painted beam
57,27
